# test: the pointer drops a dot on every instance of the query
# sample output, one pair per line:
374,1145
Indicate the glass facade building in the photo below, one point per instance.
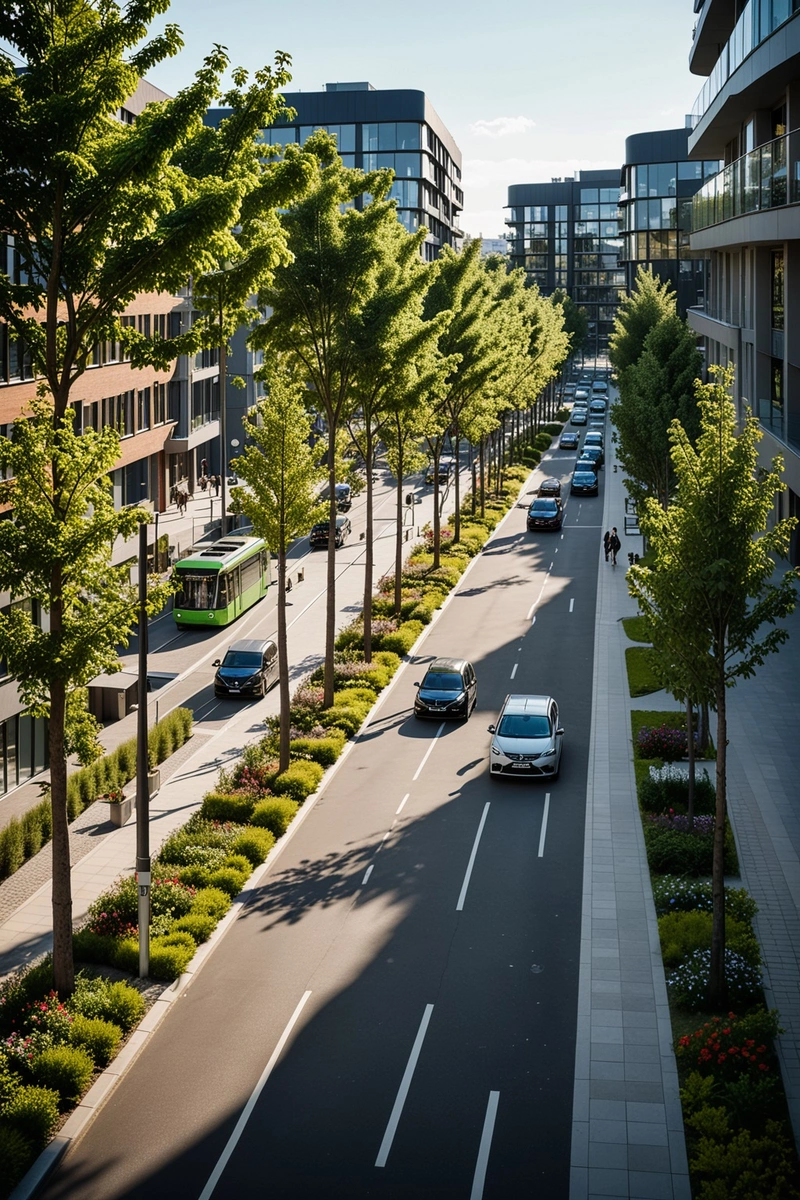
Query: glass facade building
566,234
658,183
393,128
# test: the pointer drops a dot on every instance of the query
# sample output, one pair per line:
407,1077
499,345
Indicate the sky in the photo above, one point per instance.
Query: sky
534,90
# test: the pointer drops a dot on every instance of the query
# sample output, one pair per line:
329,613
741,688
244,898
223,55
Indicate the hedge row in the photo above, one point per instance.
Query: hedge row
24,836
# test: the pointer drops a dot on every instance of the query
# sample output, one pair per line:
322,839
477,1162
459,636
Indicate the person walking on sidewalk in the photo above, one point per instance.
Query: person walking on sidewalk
606,543
614,545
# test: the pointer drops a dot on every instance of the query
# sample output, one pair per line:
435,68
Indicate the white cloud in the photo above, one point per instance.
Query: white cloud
502,127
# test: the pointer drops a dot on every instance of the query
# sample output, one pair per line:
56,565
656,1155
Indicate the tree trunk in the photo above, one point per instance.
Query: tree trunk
330,612
283,661
368,557
474,483
690,748
63,965
437,524
457,520
398,536
703,740
482,457
717,984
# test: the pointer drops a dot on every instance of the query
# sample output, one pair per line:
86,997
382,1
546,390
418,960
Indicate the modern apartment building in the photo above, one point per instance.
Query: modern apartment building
392,128
658,182
566,234
746,218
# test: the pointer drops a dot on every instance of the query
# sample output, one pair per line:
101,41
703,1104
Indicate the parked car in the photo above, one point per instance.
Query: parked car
545,513
592,454
598,406
568,441
597,425
600,387
320,532
249,668
583,392
549,487
344,497
584,483
527,739
447,466
578,416
449,689
594,437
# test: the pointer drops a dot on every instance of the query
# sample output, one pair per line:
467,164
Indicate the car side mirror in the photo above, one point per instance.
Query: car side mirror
559,732
216,663
491,729
416,684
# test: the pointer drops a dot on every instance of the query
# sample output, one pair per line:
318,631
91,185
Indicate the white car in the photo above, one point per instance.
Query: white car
527,739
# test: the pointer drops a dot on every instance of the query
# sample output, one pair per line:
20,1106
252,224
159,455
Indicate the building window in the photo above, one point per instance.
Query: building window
777,289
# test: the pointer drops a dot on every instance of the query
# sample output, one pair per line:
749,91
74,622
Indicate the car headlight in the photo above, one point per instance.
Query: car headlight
548,753
495,750
458,698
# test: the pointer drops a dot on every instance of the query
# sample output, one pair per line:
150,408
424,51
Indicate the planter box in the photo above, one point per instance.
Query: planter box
153,782
120,811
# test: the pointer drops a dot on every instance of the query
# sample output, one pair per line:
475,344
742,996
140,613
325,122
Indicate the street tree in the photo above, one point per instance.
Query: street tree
337,252
402,435
655,390
99,211
648,302
282,474
713,551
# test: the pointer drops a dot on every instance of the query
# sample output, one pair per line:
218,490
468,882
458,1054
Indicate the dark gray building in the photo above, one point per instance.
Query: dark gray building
397,128
566,235
746,218
658,182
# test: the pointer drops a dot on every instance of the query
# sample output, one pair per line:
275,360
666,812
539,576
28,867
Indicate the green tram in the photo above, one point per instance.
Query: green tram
217,583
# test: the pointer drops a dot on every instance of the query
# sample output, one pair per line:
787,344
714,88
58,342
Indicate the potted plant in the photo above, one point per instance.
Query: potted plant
120,806
153,775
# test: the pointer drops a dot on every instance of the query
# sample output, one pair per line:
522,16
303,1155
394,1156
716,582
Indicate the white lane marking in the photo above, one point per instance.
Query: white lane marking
402,802
462,897
571,604
531,611
562,537
402,1093
222,1162
514,670
549,569
479,1178
367,873
428,751
543,834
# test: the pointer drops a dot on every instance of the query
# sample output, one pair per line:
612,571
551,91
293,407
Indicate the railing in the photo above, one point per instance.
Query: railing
759,20
768,177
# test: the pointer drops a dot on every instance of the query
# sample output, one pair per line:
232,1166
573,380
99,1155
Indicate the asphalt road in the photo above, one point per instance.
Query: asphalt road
394,1013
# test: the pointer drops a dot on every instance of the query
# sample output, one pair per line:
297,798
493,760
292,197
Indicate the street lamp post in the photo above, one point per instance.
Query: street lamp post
142,770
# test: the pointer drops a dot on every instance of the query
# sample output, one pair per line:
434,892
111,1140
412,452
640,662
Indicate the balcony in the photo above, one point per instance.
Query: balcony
759,20
766,178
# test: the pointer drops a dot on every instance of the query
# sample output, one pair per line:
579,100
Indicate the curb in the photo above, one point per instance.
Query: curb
84,1113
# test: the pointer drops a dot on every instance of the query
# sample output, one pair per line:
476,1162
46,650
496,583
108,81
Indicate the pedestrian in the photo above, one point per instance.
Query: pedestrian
615,545
606,542
183,500
203,466
203,481
216,482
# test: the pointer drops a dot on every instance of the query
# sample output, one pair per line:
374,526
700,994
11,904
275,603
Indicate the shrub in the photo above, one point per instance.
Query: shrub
66,1069
347,717
217,806
738,1165
16,1153
682,933
198,925
403,639
355,695
324,751
664,742
113,1001
227,879
12,848
168,962
670,851
91,947
531,457
10,1081
126,759
660,792
33,1112
688,983
542,441
351,636
727,1047
213,901
275,815
99,1038
254,844
673,894
299,780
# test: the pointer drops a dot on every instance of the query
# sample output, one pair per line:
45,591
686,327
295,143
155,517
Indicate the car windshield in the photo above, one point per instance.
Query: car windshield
442,681
242,658
197,589
544,506
524,725
584,477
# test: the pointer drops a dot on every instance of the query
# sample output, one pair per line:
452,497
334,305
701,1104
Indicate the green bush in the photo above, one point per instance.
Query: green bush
16,1153
542,441
214,901
324,751
217,806
33,1112
169,961
531,457
107,1000
99,1038
10,1081
126,758
730,1164
347,717
300,779
681,933
403,638
672,852
671,893
562,414
275,814
91,947
254,844
553,427
227,879
348,696
198,925
68,1070
671,792
12,848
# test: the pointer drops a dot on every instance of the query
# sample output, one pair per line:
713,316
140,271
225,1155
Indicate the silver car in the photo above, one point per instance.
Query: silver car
527,739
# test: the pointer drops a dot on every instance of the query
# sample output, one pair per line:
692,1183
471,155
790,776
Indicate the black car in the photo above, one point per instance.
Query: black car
578,416
545,513
249,668
584,483
449,689
549,487
344,497
568,441
595,453
319,533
